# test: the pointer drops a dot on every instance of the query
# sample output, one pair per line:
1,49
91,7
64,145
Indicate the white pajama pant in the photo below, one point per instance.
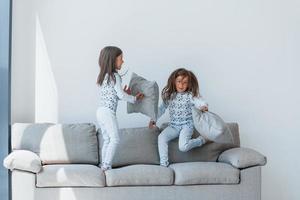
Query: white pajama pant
185,142
108,123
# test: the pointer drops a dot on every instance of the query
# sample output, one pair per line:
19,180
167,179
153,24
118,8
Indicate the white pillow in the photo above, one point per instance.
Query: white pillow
149,105
23,160
211,126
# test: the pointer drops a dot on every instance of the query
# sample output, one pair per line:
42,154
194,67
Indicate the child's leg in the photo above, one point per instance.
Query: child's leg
110,132
105,143
114,139
186,142
101,113
164,137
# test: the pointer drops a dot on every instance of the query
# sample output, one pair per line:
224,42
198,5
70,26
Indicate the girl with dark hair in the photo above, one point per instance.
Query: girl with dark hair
180,95
110,82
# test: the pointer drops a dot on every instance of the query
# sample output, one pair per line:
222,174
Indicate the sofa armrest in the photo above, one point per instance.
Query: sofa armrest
242,158
23,160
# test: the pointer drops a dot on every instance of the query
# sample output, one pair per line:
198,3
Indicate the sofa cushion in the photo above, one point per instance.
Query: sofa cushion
137,146
196,173
138,175
58,143
149,104
234,130
70,175
23,160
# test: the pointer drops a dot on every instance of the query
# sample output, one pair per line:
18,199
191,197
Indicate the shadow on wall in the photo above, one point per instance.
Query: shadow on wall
31,136
46,94
34,88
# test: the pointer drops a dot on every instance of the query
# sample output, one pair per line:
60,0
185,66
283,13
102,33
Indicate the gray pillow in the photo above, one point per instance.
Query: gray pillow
242,157
211,126
23,160
149,105
206,153
137,146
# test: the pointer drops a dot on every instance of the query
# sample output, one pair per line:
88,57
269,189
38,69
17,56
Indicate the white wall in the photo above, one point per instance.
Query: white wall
243,52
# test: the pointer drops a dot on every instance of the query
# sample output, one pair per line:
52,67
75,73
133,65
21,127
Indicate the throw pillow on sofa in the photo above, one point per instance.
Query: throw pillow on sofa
23,160
149,105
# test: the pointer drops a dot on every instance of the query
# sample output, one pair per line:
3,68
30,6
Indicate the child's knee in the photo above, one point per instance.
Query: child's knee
183,147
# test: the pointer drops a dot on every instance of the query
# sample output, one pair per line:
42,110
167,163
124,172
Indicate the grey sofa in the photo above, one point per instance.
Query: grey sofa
60,161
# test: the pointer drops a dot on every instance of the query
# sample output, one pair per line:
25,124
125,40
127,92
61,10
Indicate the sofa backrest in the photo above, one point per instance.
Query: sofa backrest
234,128
139,146
57,143
78,143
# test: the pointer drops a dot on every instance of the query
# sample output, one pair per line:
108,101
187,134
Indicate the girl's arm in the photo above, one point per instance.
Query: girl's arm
120,92
161,110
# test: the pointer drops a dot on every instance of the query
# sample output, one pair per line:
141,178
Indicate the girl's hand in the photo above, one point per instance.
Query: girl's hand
127,89
204,108
139,96
152,124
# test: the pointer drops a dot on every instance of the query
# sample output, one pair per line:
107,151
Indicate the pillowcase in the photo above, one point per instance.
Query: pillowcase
23,160
211,126
149,105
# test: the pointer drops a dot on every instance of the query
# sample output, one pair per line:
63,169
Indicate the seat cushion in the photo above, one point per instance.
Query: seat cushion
196,173
150,90
137,146
58,143
138,175
74,175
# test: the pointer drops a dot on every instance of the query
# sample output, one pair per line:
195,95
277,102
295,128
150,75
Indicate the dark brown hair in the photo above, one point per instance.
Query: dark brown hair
170,89
107,63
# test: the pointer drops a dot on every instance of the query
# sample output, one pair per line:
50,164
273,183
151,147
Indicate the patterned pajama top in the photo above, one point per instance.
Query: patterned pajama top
111,93
180,109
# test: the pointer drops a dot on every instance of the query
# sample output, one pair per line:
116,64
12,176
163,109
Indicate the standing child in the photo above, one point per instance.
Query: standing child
110,61
180,95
